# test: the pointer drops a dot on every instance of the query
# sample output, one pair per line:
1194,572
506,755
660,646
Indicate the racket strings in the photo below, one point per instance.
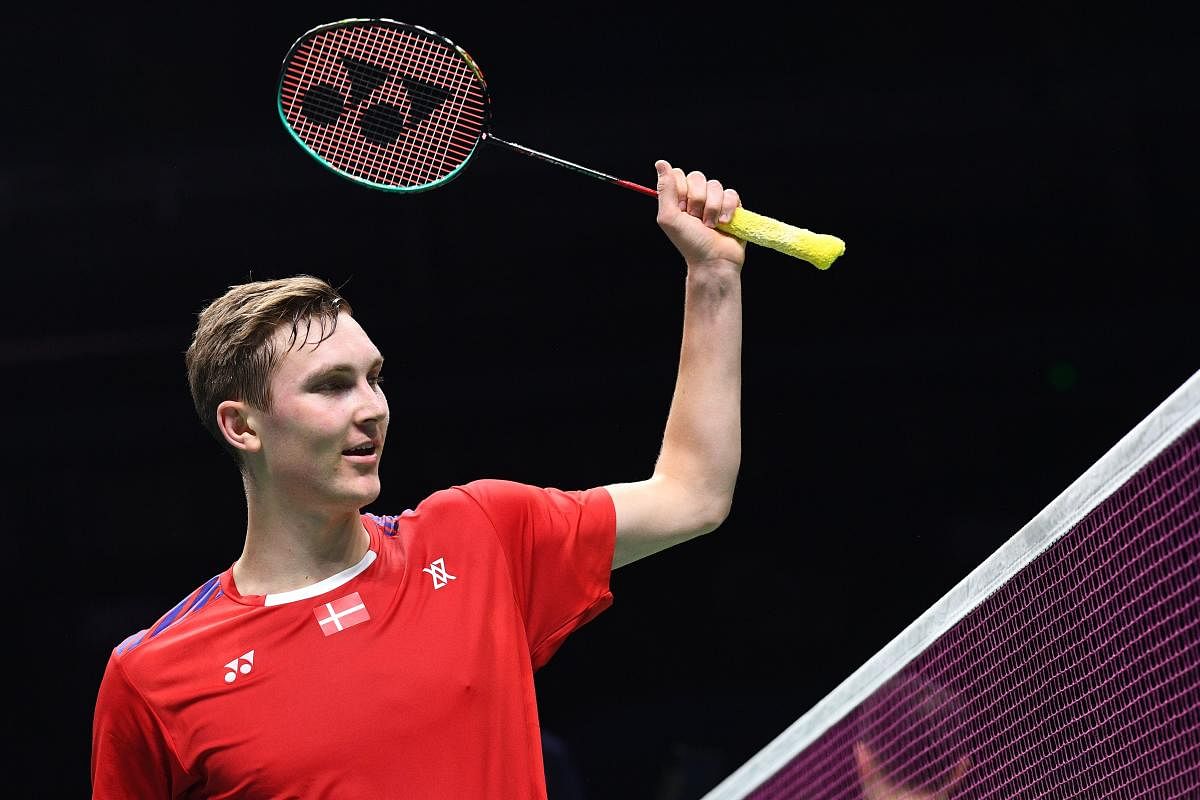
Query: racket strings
416,158
441,67
384,104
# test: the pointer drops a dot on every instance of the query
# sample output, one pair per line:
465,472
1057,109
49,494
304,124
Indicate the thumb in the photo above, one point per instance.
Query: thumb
668,190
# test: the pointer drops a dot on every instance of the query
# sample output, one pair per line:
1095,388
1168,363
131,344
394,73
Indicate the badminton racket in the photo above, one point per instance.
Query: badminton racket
401,108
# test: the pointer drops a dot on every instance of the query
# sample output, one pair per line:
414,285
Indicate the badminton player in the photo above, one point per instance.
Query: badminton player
353,655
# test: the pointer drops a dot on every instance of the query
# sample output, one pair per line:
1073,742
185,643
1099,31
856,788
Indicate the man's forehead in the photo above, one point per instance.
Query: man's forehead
308,332
317,342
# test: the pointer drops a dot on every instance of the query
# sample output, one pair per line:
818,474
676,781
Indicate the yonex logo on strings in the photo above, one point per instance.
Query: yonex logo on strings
380,123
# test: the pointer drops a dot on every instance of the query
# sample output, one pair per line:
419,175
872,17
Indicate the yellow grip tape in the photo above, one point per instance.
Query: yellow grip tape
818,249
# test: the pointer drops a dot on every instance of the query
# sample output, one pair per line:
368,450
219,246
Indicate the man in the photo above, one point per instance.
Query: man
354,655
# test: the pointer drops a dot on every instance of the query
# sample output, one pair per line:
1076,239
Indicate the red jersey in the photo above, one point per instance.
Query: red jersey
407,675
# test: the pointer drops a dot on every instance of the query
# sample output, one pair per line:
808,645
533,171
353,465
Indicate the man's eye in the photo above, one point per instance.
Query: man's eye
375,381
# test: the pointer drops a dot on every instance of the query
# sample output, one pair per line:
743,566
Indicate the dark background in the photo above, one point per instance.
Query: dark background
1017,195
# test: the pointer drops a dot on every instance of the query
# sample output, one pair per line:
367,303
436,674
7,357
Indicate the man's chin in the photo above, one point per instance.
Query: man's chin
366,497
356,496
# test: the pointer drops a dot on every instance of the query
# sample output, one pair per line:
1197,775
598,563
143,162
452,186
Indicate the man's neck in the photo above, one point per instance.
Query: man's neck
288,547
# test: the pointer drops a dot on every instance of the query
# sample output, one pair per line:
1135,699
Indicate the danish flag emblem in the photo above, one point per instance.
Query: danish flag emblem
345,612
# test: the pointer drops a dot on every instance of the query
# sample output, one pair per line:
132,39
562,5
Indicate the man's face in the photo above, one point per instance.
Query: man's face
326,402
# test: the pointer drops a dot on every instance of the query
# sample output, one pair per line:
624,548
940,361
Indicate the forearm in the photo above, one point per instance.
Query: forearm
701,449
691,490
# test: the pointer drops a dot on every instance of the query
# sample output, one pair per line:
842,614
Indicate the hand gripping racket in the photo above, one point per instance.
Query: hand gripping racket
401,108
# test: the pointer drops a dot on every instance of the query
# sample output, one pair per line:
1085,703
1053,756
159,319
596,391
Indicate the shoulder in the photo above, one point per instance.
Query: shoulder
487,491
167,625
500,491
473,497
502,505
504,502
540,509
462,508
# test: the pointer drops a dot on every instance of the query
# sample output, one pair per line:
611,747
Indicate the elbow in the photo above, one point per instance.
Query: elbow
714,514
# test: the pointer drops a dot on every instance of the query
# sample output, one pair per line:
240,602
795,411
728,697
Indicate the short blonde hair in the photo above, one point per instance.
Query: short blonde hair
233,355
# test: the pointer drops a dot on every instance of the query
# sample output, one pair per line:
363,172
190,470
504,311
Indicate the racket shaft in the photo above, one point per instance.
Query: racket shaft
818,249
571,165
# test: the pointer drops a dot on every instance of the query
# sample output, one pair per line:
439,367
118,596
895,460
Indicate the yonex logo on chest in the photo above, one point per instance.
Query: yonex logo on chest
437,569
240,665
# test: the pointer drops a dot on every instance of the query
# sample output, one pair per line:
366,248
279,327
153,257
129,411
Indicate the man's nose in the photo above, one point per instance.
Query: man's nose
373,406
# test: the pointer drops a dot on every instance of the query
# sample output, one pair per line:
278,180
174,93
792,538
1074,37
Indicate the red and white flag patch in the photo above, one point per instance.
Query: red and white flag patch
345,612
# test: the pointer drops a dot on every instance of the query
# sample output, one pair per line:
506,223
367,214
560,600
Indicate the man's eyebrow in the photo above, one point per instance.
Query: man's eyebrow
335,369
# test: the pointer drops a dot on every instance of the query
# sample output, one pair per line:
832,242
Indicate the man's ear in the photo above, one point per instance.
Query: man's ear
233,418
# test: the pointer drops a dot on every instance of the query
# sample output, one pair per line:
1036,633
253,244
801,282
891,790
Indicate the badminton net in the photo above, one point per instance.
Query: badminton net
1066,665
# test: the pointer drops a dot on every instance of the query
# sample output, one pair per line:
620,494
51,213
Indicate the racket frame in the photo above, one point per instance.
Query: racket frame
485,93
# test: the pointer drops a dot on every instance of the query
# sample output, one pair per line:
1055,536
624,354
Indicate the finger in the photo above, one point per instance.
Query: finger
681,188
868,767
872,780
729,201
713,202
862,758
697,193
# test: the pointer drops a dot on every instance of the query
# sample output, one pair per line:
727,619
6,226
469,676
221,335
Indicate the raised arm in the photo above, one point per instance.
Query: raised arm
691,489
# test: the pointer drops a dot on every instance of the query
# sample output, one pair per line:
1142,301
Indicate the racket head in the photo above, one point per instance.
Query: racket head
386,104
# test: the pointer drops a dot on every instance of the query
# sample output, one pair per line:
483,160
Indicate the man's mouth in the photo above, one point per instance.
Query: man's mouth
367,449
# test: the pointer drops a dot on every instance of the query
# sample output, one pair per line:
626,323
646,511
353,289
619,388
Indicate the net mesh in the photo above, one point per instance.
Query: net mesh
1078,677
390,104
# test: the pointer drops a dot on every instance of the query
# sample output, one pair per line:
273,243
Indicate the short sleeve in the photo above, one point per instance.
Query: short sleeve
559,545
130,756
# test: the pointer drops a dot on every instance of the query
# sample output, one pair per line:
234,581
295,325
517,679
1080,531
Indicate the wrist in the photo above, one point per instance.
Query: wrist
717,271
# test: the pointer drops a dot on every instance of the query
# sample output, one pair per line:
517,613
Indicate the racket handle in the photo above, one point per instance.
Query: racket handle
818,249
